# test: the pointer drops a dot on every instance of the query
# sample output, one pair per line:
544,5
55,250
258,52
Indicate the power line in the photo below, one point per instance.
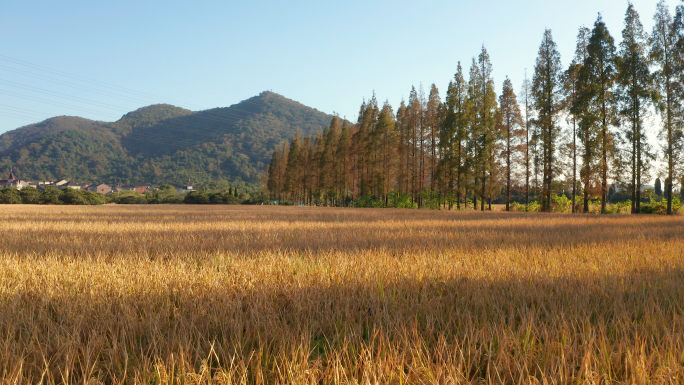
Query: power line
52,103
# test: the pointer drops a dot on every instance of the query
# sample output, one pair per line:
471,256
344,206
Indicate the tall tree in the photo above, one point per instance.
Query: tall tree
484,121
387,149
343,161
665,54
599,71
453,136
414,115
433,121
546,84
577,110
292,175
527,99
404,151
583,111
510,124
635,91
571,92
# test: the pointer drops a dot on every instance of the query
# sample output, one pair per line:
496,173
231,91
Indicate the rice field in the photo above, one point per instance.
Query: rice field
302,295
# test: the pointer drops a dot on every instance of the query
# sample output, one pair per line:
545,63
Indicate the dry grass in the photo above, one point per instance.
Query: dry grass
188,294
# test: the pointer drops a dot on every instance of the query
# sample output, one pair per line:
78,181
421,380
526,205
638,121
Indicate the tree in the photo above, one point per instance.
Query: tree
292,175
387,149
453,136
526,95
433,121
29,195
343,162
272,184
635,91
583,111
666,55
545,92
599,72
510,123
658,187
571,92
483,127
50,195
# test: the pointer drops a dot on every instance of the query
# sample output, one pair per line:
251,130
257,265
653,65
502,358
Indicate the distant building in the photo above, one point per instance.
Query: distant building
100,188
12,181
72,185
139,188
187,188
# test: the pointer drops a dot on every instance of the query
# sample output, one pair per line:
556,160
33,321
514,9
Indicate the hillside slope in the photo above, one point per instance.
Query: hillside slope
161,144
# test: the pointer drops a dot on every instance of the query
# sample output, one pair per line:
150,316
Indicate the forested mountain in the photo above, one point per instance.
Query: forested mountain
161,144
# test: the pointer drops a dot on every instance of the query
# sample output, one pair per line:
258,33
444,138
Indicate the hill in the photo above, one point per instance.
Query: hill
161,144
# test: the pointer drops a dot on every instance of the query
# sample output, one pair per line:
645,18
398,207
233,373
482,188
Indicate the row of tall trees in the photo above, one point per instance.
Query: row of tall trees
582,127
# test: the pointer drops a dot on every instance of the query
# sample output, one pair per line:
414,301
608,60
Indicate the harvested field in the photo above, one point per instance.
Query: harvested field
263,295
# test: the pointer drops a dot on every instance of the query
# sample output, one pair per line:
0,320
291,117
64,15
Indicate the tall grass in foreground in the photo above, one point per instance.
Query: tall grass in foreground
312,295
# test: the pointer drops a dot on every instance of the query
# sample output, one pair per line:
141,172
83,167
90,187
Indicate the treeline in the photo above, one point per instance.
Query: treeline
577,131
164,195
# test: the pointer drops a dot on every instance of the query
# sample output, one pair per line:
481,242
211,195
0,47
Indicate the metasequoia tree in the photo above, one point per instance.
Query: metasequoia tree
483,127
570,87
583,112
527,99
434,112
667,56
510,123
546,83
599,72
635,87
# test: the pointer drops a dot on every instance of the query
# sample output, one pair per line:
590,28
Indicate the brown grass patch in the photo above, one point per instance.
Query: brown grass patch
188,294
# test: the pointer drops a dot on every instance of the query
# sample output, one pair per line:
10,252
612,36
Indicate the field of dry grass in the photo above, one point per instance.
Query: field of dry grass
263,295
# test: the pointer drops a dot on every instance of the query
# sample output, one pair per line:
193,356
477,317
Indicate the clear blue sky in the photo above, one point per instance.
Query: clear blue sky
204,54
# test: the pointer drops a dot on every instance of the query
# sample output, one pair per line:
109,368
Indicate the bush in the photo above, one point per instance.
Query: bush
258,200
197,198
10,195
50,196
401,201
30,195
560,203
369,201
130,199
532,207
660,207
71,196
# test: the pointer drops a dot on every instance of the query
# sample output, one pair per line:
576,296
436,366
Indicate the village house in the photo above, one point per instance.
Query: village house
75,186
99,188
188,188
139,188
12,181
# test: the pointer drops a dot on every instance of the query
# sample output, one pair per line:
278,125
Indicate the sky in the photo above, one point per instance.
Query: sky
99,60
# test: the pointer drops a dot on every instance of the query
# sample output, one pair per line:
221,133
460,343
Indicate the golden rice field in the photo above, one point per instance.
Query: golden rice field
293,295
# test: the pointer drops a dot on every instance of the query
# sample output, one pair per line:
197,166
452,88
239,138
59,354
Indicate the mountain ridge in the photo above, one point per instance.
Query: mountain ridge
162,143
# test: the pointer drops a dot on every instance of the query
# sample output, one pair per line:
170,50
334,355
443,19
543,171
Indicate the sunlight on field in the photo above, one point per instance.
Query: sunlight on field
187,294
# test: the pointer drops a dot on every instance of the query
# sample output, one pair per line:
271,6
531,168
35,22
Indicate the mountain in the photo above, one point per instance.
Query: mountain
161,144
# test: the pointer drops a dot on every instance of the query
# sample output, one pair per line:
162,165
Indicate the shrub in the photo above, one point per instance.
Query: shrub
50,195
560,203
10,195
30,195
532,207
197,198
130,199
71,196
